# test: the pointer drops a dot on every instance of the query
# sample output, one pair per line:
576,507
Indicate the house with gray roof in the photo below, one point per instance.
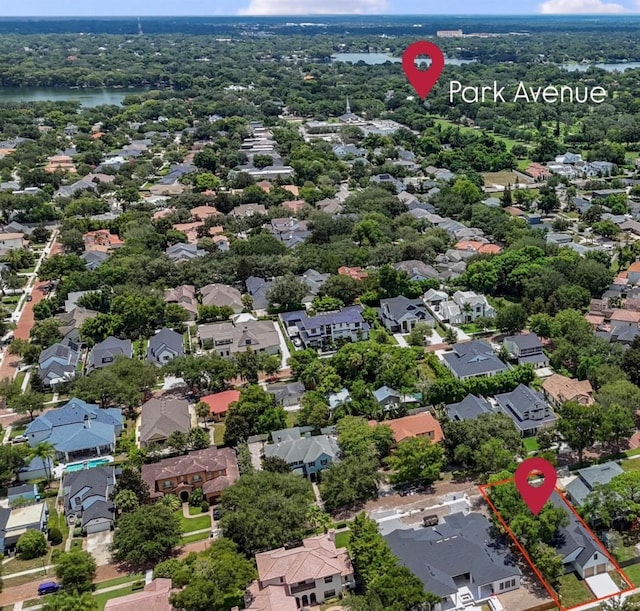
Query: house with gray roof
161,417
417,270
581,552
222,295
528,409
93,259
473,359
325,329
77,430
184,252
86,498
165,345
587,479
305,454
104,353
227,338
258,288
400,314
526,348
339,398
288,394
457,560
58,363
470,408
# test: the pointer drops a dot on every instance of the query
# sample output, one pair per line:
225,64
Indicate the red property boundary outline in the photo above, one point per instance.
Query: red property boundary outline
483,490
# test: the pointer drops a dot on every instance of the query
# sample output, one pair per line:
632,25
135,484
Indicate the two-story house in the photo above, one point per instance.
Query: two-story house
526,348
311,574
212,470
161,417
465,307
473,359
86,498
57,363
164,346
528,409
587,479
16,521
104,353
400,315
327,328
305,454
227,338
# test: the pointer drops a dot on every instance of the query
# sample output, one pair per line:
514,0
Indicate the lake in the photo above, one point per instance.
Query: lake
621,67
87,97
374,59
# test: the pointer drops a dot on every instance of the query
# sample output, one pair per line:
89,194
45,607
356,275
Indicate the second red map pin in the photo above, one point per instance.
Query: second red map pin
536,496
422,80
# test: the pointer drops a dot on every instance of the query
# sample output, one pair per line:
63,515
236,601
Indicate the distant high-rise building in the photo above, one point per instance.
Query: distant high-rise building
140,32
449,34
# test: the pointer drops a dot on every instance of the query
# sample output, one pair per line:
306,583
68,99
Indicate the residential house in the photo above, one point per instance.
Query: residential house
227,338
165,345
222,295
12,241
190,230
434,299
154,597
581,552
325,329
526,348
473,359
465,307
74,188
400,314
458,560
287,394
70,322
559,389
202,213
388,398
528,409
387,179
94,259
77,430
305,454
101,240
105,353
417,270
345,150
184,252
212,470
270,598
310,574
313,280
246,210
258,289
87,498
161,417
634,273
58,363
220,402
422,424
357,273
330,206
470,408
24,494
184,296
477,247
16,521
339,398
587,479
290,231
36,469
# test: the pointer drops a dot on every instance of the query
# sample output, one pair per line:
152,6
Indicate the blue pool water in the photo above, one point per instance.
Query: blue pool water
96,462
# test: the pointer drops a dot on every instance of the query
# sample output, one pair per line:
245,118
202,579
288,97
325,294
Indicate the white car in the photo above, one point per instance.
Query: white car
297,342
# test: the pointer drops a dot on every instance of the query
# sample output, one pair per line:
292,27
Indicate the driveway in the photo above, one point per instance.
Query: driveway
98,545
284,349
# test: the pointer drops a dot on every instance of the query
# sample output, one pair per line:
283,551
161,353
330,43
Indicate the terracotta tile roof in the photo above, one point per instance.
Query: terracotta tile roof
292,189
265,185
418,425
317,558
293,205
594,319
514,211
219,402
155,597
625,316
353,272
203,212
634,267
561,389
271,598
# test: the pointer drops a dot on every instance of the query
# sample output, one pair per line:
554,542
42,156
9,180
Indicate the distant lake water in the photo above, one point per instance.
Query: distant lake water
620,67
87,97
374,59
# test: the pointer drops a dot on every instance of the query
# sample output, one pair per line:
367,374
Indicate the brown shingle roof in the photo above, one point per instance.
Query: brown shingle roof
418,425
561,389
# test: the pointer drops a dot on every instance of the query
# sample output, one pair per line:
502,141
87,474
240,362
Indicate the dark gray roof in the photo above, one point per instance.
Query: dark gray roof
469,408
303,321
94,258
526,407
473,358
22,490
525,341
305,449
165,338
99,509
400,308
284,391
109,348
461,545
258,289
590,477
96,481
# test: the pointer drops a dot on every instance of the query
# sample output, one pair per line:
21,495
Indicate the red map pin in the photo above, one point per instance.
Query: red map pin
422,80
536,496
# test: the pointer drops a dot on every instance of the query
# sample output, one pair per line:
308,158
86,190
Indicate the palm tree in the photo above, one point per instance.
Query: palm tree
45,452
450,336
318,518
171,502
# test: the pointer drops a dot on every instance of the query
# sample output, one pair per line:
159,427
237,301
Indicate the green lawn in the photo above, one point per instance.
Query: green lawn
574,591
191,524
624,552
194,538
292,419
118,580
20,378
102,599
631,465
633,573
342,538
195,511
17,430
530,444
76,544
218,434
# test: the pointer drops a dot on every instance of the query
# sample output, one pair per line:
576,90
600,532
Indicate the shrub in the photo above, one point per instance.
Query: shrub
204,506
31,544
55,536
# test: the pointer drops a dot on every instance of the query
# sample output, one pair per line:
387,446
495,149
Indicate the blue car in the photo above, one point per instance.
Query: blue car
48,588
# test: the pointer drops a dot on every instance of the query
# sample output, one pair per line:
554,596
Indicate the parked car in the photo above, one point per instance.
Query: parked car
29,297
216,514
48,588
297,342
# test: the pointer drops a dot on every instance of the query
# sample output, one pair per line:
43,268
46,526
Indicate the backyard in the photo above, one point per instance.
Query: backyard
574,591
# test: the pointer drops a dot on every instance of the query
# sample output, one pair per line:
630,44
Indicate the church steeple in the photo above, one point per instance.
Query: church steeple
348,110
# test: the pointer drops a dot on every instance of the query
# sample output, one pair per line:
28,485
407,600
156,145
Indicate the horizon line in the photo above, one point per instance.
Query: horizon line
320,15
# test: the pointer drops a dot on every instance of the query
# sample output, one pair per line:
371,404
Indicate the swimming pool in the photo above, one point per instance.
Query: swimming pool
88,464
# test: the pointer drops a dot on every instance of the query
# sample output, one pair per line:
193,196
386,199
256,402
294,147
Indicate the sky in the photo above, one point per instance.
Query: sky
12,8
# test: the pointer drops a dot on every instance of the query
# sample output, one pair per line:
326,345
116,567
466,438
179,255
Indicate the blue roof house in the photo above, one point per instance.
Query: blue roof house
77,430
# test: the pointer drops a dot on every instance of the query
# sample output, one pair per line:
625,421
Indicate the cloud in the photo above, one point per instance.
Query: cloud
313,7
584,7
